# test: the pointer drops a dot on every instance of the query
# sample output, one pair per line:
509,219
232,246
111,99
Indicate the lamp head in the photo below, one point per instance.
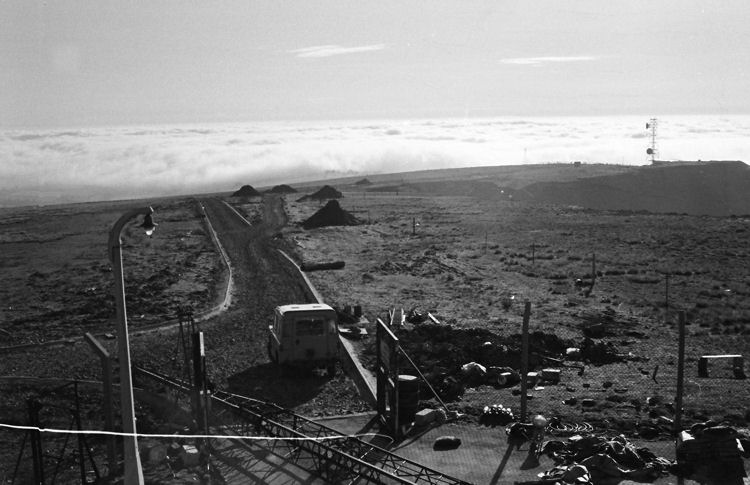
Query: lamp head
539,421
148,223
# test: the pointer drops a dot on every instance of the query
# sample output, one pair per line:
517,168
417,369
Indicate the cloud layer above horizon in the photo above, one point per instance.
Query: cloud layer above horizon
56,166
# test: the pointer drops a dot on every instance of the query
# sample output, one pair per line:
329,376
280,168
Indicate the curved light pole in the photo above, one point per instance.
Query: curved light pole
133,471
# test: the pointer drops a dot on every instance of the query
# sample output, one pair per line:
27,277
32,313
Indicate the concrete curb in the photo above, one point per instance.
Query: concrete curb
362,378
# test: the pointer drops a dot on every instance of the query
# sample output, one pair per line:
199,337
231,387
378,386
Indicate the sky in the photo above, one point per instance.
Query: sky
92,63
203,95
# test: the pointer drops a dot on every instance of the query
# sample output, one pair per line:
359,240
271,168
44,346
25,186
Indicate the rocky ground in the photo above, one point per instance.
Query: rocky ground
470,261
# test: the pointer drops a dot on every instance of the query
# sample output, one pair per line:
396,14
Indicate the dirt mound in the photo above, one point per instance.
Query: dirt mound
363,182
283,189
246,191
331,215
326,192
718,188
441,351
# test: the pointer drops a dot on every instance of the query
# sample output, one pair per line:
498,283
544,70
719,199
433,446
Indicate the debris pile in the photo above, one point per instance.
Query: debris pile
712,453
459,358
496,415
330,215
326,192
600,352
589,459
246,191
283,189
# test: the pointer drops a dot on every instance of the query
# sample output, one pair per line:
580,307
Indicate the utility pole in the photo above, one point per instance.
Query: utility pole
652,151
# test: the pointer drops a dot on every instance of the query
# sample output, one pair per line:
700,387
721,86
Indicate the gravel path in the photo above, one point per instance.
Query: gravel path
236,355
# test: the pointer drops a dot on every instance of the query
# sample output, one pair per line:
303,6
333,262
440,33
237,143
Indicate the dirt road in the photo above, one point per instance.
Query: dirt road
236,353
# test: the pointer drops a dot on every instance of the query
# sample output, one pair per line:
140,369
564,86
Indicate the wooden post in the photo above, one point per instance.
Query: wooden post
37,456
108,407
533,253
485,241
593,268
666,299
524,358
413,226
680,373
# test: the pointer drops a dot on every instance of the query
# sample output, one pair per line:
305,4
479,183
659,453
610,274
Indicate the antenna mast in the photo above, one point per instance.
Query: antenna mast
652,151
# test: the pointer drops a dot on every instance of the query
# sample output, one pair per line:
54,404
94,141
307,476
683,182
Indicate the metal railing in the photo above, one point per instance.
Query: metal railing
315,447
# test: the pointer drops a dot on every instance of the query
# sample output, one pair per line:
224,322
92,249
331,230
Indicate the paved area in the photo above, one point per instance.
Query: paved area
483,457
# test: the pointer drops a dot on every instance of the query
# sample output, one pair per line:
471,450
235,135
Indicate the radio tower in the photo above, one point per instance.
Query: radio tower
651,125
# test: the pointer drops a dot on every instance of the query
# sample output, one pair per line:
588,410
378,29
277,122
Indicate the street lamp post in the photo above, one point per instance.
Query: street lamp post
133,471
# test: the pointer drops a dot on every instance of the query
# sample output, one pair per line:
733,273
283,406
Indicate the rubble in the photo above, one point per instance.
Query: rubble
711,453
283,189
330,215
246,191
325,192
591,459
496,415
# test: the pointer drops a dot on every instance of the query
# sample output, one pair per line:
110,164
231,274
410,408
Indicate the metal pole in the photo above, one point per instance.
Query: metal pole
524,358
81,456
109,415
133,470
680,373
199,372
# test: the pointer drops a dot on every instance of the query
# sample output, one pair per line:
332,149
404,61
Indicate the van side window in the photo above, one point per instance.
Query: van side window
286,328
310,326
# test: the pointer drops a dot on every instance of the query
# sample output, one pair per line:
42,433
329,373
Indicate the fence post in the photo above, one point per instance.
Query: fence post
666,299
524,358
108,407
34,407
680,373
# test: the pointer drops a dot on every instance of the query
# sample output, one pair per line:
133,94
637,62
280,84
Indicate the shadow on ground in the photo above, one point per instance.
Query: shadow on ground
282,386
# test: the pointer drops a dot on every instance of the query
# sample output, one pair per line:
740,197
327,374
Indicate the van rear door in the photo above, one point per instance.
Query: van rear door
311,337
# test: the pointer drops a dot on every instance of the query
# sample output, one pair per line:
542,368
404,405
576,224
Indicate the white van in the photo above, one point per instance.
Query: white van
304,335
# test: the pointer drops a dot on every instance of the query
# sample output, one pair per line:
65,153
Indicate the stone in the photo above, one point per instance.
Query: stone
425,417
551,375
588,403
157,454
446,443
190,456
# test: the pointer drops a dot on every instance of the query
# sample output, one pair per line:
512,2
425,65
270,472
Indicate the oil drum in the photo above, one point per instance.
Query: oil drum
408,398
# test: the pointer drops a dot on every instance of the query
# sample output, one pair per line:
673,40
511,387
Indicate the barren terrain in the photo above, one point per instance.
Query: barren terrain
465,252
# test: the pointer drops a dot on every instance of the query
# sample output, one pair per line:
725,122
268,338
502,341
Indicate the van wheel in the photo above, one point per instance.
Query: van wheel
331,369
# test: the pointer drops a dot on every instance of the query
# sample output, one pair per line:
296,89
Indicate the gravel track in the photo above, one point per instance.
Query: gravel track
236,354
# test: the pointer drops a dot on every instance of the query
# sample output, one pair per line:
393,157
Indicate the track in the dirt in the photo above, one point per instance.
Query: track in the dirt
236,352
262,279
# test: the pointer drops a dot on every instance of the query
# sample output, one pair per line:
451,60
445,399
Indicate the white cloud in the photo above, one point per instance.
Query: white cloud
118,163
534,61
335,50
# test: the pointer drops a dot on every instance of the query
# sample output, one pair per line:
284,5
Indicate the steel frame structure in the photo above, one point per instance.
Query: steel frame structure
315,447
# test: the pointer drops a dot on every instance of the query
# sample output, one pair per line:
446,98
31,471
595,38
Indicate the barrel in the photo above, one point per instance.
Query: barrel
408,398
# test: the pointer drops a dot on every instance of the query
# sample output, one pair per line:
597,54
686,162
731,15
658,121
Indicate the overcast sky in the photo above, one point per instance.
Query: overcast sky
98,63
